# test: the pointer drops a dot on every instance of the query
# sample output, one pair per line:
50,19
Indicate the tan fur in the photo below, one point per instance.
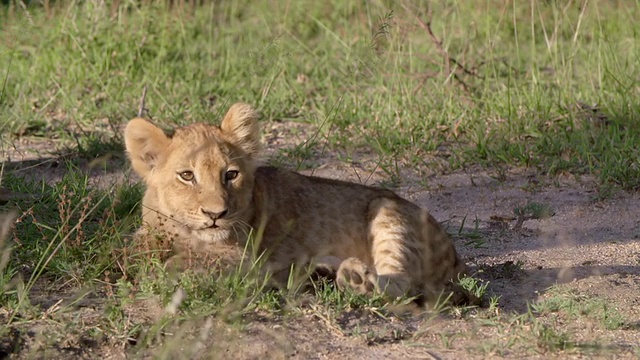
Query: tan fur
375,240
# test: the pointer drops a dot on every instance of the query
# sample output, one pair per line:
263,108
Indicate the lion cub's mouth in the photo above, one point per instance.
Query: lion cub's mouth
213,226
216,225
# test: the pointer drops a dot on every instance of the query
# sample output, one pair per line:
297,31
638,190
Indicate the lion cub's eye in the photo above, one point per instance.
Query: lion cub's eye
186,175
230,175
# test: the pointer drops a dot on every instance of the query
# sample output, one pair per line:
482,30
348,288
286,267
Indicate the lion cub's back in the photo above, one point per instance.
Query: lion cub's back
317,212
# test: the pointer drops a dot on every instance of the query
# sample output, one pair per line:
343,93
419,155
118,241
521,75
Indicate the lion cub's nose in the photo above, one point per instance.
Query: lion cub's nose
215,215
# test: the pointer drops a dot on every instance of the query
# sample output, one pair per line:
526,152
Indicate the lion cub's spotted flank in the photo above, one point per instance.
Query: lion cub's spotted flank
204,190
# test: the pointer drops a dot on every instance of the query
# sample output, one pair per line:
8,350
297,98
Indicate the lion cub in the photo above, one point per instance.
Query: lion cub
204,190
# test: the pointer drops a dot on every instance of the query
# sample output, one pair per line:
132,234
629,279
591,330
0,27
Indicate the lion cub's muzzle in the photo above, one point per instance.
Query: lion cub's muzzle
214,216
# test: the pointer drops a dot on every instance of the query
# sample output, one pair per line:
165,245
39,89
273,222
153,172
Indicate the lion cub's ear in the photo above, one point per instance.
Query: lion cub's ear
241,125
146,145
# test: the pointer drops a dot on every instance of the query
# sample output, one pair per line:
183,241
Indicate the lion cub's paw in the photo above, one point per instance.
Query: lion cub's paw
357,275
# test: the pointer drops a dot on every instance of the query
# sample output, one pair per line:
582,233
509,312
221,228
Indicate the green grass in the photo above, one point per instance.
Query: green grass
372,77
571,305
512,85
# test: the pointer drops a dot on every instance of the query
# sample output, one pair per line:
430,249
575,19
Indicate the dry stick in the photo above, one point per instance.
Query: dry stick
142,109
445,54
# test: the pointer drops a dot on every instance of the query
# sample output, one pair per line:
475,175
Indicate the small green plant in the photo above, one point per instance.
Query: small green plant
494,302
531,210
475,286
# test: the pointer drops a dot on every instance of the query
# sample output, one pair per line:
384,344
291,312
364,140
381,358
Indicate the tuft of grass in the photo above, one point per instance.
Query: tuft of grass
69,229
572,305
534,210
327,295
477,287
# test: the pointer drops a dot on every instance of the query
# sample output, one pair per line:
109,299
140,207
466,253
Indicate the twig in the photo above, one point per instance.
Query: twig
447,60
521,219
327,321
142,109
26,11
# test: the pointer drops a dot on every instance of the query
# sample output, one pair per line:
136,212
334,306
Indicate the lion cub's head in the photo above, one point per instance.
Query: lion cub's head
199,181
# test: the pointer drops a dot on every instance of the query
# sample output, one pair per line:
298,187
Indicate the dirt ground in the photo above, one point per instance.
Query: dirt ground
589,244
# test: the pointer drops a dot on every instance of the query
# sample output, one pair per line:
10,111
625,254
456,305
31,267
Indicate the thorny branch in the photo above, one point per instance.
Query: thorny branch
447,59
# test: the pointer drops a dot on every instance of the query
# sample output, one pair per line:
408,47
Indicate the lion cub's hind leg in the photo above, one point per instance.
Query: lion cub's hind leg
394,249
